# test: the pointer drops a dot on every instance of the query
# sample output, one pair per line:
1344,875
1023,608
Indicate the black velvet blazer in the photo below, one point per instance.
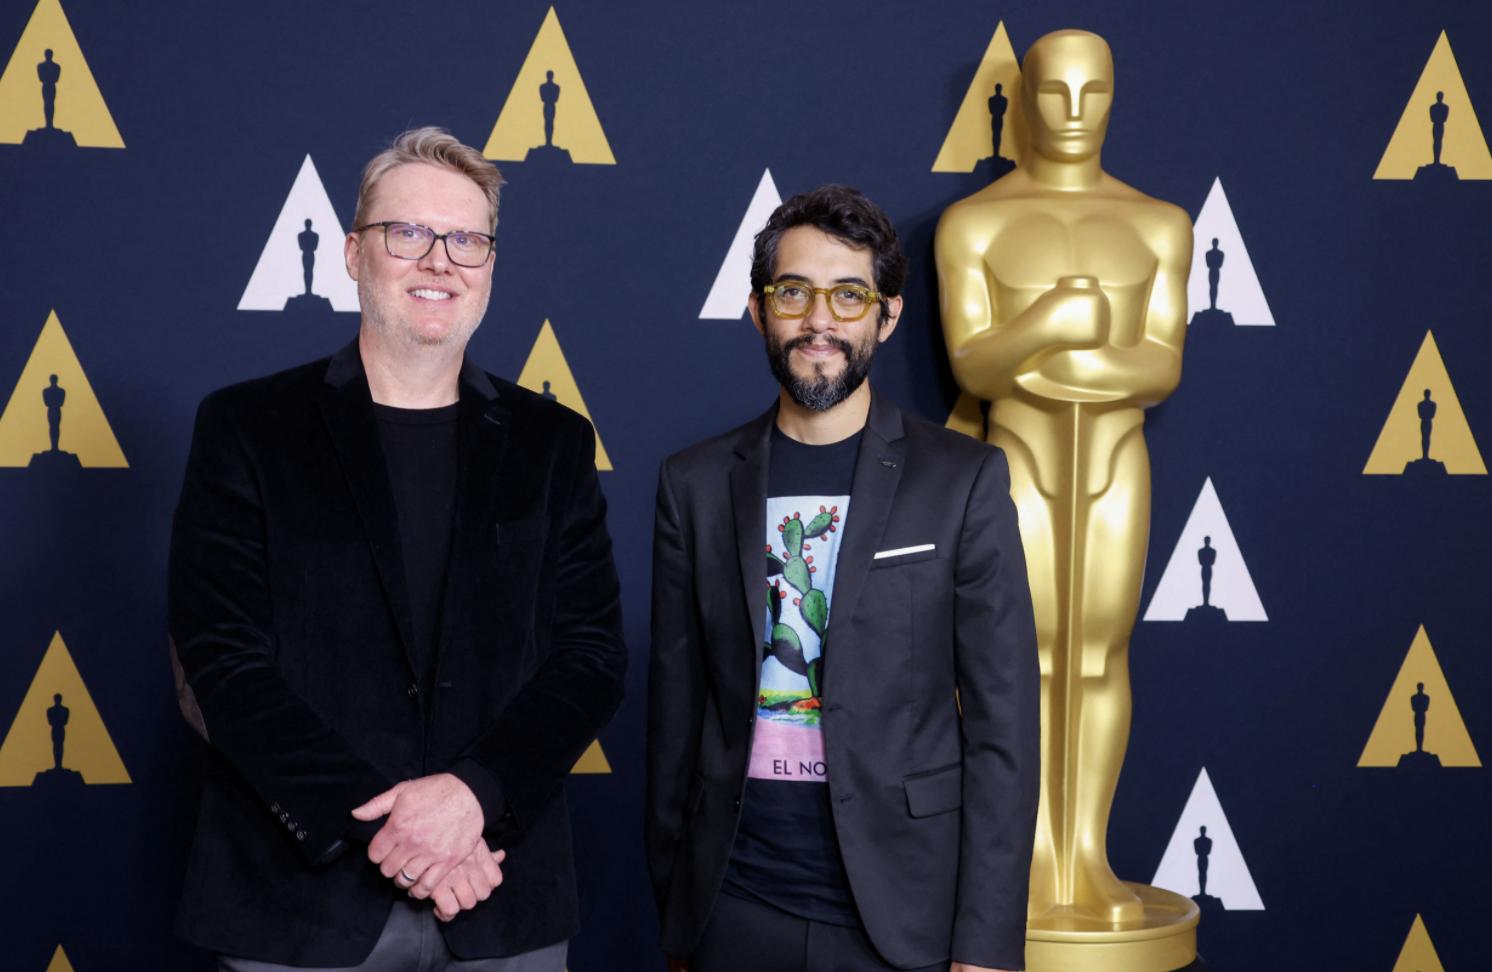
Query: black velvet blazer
290,616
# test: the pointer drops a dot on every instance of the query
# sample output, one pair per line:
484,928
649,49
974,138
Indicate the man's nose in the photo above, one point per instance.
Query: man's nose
820,317
437,260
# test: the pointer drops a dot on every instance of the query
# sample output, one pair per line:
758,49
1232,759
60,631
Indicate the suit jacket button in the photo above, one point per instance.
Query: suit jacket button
412,691
274,808
738,804
284,816
300,835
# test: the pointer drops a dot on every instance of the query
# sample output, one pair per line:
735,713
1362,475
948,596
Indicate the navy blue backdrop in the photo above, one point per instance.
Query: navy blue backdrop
144,252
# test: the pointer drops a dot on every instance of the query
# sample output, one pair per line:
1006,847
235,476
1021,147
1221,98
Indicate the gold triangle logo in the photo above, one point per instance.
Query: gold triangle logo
53,419
1419,724
970,139
47,94
548,112
1426,433
967,417
1439,116
1418,953
58,740
59,962
547,373
593,760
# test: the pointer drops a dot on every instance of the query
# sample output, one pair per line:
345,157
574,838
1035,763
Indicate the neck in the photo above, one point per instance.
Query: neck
1064,174
404,377
823,428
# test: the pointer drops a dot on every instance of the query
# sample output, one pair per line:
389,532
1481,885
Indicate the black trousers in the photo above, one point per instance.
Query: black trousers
750,936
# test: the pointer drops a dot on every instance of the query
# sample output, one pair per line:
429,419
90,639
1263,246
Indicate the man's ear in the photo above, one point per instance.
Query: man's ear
754,305
893,317
352,248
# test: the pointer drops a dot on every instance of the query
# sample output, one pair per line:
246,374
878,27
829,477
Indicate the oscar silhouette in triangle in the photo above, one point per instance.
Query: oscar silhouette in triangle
308,304
52,396
549,93
1437,171
1213,315
1424,466
58,776
549,96
1206,611
998,105
1456,150
49,73
1419,703
574,136
308,240
546,393
1202,846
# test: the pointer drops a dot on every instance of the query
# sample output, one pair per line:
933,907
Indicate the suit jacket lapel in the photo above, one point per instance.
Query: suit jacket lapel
748,495
482,434
877,474
347,410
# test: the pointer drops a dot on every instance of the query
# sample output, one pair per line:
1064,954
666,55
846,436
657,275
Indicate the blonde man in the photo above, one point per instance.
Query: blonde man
397,617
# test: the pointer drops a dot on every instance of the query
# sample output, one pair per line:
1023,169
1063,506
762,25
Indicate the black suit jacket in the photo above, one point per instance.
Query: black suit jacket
290,614
935,813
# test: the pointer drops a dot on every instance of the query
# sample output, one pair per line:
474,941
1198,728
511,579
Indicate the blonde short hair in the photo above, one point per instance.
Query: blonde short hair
434,146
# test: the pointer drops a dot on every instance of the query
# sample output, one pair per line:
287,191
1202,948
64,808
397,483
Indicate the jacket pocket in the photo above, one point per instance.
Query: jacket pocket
935,791
909,555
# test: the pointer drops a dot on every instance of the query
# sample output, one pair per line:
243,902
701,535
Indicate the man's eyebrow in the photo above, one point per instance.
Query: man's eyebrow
861,281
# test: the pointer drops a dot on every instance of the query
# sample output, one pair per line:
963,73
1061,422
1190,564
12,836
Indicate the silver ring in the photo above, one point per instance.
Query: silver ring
405,875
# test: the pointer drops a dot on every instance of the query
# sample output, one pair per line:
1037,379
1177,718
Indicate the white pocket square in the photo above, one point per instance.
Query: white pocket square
903,551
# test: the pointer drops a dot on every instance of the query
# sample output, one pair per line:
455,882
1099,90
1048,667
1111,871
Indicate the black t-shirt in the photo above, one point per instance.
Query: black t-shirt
786,852
419,447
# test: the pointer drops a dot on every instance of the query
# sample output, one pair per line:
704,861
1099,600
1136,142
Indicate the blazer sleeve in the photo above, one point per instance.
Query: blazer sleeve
221,621
676,689
518,765
1000,694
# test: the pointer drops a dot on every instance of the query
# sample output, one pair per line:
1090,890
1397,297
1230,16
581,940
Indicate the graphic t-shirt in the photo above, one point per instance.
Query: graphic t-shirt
786,852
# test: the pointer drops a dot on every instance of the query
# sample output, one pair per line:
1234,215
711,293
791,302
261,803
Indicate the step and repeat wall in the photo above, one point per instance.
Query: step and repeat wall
175,183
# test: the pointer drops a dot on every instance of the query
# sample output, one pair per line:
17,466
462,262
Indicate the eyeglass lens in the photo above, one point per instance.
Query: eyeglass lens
411,241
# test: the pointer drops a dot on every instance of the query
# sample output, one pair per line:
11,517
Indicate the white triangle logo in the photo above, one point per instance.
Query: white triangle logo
727,300
1191,851
1239,295
1188,591
280,275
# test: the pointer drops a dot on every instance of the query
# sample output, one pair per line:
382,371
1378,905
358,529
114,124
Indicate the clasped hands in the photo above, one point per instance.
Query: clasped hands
431,845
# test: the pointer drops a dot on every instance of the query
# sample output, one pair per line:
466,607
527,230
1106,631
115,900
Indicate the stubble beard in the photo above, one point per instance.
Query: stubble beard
396,328
820,393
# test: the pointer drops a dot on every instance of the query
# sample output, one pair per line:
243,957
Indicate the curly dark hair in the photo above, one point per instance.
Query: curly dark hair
845,214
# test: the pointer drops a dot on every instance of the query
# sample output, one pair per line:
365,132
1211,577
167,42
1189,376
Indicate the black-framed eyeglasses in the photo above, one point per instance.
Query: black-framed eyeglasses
794,298
411,241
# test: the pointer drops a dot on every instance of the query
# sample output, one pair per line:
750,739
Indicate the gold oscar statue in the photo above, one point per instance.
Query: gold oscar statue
1063,294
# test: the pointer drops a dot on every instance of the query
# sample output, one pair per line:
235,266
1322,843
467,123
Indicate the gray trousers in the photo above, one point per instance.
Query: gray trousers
411,942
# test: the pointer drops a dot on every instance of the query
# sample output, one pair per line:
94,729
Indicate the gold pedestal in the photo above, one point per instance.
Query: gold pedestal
1163,941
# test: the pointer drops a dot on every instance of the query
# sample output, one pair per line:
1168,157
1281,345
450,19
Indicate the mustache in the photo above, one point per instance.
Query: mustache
844,347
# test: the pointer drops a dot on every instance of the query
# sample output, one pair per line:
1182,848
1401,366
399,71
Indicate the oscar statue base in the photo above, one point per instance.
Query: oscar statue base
1163,941
1437,172
1212,317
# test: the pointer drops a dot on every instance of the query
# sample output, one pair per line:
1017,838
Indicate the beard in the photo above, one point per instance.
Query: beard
820,393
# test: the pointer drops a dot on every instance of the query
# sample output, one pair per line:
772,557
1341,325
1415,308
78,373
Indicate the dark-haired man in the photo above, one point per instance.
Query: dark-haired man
830,582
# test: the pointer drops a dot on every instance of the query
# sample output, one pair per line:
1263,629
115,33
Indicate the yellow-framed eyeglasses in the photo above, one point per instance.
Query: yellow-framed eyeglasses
794,298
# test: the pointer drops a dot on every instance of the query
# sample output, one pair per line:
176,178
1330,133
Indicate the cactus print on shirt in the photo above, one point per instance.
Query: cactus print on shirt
803,538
